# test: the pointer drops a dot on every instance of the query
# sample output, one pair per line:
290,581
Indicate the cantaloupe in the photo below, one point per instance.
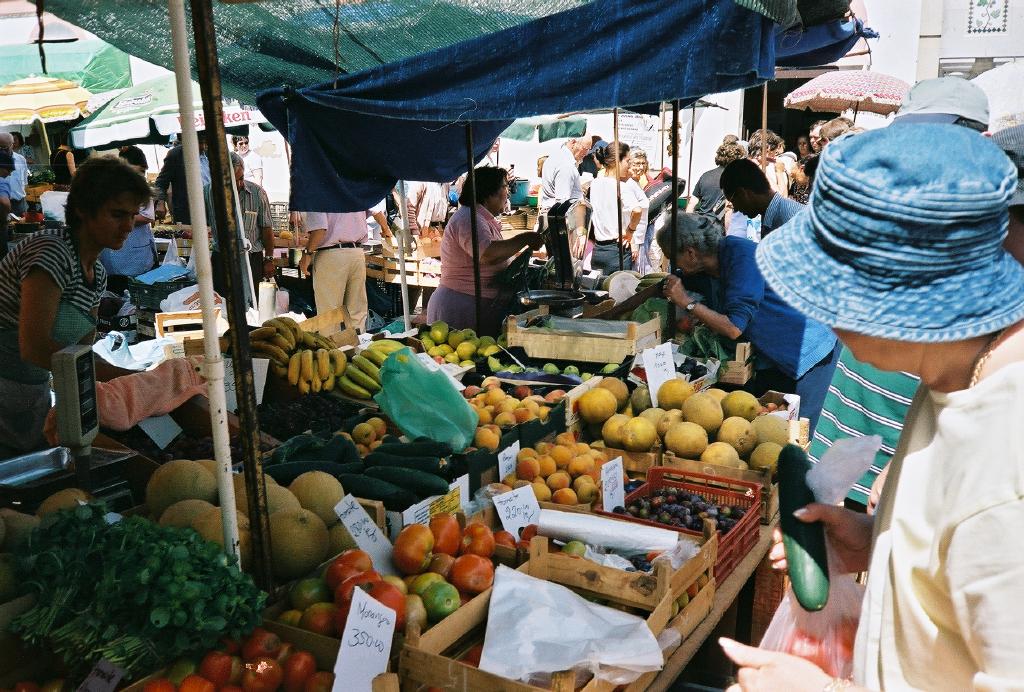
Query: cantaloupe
299,542
703,410
686,440
742,404
318,492
181,479
181,514
68,498
739,433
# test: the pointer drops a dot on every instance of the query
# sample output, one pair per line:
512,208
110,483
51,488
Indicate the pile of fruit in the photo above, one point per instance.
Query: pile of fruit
182,447
497,411
564,471
319,413
682,509
571,370
362,378
308,360
461,347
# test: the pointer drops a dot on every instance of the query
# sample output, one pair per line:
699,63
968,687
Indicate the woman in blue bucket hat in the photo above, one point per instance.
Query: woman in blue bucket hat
901,253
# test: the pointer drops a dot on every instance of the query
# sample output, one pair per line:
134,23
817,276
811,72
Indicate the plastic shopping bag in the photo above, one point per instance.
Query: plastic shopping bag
423,402
826,637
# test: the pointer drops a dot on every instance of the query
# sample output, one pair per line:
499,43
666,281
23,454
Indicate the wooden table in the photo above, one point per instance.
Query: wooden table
738,586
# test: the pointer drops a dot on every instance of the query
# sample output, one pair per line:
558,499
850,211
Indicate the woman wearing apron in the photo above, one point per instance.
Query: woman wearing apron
50,287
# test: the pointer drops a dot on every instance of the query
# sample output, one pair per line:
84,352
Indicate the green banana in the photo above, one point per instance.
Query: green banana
374,356
362,379
366,366
352,389
387,345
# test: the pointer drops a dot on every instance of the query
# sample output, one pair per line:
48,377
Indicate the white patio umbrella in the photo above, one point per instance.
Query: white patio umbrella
1004,86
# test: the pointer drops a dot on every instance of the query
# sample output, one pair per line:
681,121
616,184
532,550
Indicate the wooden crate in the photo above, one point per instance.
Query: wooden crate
426,248
555,345
432,659
741,370
769,489
635,463
426,275
335,325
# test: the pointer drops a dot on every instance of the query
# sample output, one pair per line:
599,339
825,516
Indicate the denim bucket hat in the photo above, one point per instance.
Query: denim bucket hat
903,238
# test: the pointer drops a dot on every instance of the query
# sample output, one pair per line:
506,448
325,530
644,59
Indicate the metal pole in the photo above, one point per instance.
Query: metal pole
222,182
661,130
618,184
689,166
403,247
764,126
674,213
471,181
213,363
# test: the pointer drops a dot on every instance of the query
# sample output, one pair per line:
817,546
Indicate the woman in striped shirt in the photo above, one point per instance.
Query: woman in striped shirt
50,287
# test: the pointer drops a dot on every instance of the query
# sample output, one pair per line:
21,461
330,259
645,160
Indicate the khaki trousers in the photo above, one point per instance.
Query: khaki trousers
339,279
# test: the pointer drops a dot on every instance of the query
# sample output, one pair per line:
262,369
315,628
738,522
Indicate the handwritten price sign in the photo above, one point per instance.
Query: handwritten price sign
517,509
613,493
507,460
365,533
660,368
365,644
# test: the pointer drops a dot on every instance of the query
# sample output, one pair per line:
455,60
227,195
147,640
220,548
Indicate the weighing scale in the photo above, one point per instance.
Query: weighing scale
74,383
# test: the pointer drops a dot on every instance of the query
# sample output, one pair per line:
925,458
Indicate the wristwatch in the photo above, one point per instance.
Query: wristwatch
306,251
691,305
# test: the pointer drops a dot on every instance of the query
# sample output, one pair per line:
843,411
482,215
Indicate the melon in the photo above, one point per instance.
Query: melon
719,394
17,528
742,404
673,393
210,526
639,435
320,493
771,428
278,498
703,410
340,539
181,479
766,456
686,440
299,542
617,388
597,405
182,513
640,399
611,431
668,420
722,454
739,433
62,499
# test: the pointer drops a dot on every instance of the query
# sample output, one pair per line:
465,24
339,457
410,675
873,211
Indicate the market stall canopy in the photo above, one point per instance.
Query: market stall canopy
46,99
835,92
1004,86
148,113
353,138
95,65
790,13
546,128
819,45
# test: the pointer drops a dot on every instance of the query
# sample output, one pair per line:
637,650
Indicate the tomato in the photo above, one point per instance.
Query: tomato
220,668
299,669
180,669
320,682
392,598
290,617
195,683
306,592
262,675
412,550
504,538
447,534
359,559
159,685
261,643
477,539
343,594
528,532
472,574
319,618
441,564
230,646
349,563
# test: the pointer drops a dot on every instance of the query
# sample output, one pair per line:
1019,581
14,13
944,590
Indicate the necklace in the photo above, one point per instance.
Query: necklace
984,355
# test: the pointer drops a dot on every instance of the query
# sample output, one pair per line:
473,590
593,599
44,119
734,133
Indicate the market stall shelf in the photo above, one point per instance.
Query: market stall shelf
567,345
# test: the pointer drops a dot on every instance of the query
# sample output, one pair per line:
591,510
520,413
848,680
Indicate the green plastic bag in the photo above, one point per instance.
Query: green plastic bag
423,402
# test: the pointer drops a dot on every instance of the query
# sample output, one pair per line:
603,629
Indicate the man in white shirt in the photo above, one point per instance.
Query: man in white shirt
561,182
253,161
19,178
334,252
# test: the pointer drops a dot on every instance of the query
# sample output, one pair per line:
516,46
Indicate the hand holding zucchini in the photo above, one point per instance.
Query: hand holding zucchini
806,554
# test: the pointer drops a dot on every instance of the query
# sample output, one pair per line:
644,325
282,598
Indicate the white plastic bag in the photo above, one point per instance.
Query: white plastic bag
144,355
53,203
185,299
536,628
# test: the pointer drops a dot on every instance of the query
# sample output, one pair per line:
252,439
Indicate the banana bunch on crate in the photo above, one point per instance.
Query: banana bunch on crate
308,360
362,378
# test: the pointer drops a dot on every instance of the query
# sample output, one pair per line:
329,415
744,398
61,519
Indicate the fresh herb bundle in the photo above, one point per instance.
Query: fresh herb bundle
133,593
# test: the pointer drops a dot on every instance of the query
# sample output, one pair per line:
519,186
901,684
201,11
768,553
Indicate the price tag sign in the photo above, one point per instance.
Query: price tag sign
660,368
365,644
517,509
462,483
163,430
613,492
365,533
104,677
259,376
507,460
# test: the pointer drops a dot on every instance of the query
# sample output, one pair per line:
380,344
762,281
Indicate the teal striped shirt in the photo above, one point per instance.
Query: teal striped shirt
863,400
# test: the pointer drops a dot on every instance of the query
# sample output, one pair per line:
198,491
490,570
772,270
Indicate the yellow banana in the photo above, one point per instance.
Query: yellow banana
307,340
315,382
282,343
352,389
329,382
263,333
340,361
323,341
270,350
362,379
323,363
294,367
374,356
387,345
306,366
283,330
279,370
366,366
303,387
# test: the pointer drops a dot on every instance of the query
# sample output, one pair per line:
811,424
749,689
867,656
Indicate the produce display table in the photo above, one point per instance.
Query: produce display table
728,592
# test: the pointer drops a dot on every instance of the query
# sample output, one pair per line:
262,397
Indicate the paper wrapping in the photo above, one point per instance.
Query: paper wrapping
601,531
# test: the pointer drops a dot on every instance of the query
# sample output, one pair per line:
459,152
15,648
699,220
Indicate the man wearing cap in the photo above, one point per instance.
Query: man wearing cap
561,182
952,100
747,188
919,282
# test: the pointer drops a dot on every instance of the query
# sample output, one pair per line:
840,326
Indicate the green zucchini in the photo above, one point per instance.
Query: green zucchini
395,498
805,543
419,482
285,473
427,464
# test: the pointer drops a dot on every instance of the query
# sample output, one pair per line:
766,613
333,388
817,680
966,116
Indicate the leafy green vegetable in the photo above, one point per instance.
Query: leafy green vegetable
134,593
703,343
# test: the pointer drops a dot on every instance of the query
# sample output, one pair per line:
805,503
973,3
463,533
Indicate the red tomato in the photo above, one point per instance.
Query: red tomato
472,574
392,598
160,685
337,573
298,669
528,532
412,550
504,538
220,668
343,594
320,682
359,559
318,618
196,683
261,643
447,533
231,646
262,675
477,539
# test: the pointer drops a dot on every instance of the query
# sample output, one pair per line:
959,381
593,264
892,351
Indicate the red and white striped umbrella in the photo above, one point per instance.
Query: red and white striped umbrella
835,92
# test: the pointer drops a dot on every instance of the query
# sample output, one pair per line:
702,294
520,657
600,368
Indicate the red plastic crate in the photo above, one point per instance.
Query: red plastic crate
733,545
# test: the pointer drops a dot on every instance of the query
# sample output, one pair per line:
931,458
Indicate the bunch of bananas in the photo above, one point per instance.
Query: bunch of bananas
309,360
362,379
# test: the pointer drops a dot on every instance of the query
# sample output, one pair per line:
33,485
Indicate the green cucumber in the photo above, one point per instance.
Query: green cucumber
805,543
419,482
418,448
433,465
395,498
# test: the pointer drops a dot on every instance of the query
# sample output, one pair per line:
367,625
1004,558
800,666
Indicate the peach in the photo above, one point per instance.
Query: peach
507,406
543,412
547,465
554,396
542,491
559,480
364,434
565,496
567,439
509,480
531,406
580,465
495,397
505,420
523,414
580,448
528,453
486,439
581,482
491,382
522,391
543,447
528,469
587,493
380,428
471,391
521,484
485,416
562,456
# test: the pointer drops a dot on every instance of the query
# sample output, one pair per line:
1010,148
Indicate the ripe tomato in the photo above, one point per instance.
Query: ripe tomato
319,618
261,643
262,675
230,646
343,594
195,683
320,682
220,668
412,550
359,559
159,685
447,534
472,574
392,598
477,539
299,668
528,532
338,572
504,538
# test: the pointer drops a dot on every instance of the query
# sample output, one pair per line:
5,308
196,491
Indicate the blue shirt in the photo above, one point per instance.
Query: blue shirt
779,211
793,343
137,255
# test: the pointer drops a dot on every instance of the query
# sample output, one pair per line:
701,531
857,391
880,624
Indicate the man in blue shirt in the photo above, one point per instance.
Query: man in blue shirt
795,354
18,179
6,169
746,187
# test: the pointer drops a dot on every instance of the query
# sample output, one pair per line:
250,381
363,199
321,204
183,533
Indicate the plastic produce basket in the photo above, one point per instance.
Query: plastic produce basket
732,545
148,297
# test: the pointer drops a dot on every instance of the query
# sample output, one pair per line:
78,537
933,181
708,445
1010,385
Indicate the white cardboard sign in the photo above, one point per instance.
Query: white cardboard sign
659,367
365,644
161,429
613,492
366,533
259,376
104,677
517,509
507,460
